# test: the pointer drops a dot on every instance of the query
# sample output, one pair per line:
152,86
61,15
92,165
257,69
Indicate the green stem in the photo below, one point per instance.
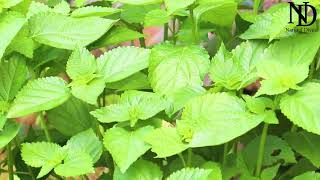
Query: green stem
165,32
312,69
256,6
294,128
174,30
10,161
261,149
225,153
44,127
182,160
189,160
194,27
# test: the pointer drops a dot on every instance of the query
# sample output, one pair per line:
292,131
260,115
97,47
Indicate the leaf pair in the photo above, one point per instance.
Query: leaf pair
74,159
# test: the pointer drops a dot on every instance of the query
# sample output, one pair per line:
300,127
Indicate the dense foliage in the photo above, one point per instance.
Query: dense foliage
230,93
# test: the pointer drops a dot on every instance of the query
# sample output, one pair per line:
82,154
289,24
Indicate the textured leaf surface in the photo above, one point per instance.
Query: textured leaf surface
39,95
140,170
13,75
305,144
9,132
173,6
71,117
10,24
66,32
122,62
190,174
165,142
88,142
302,107
214,119
174,67
133,105
138,2
126,146
98,11
135,82
284,64
156,17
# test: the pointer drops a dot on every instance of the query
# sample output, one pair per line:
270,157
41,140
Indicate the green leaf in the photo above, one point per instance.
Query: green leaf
136,13
66,32
190,174
219,12
116,35
76,163
302,107
173,6
71,117
308,175
81,64
38,8
39,95
214,119
9,131
305,144
258,105
22,43
175,67
42,154
134,105
165,142
90,11
126,146
3,121
8,3
13,75
284,65
216,171
270,24
87,142
89,92
276,150
10,24
122,62
63,8
138,2
156,17
269,173
140,170
136,81
237,69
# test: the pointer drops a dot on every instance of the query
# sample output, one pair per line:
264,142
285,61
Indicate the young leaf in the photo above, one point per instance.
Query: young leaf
134,105
284,65
190,174
87,142
39,95
10,24
81,64
302,107
122,62
13,75
72,117
141,169
42,154
126,146
63,32
173,6
174,67
305,144
90,11
201,128
136,81
165,142
76,163
156,17
38,7
9,132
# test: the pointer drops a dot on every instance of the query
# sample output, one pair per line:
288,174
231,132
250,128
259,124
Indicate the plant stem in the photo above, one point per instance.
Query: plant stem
225,153
165,32
189,160
142,42
44,127
294,128
182,160
256,6
312,69
10,161
261,149
174,31
194,27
